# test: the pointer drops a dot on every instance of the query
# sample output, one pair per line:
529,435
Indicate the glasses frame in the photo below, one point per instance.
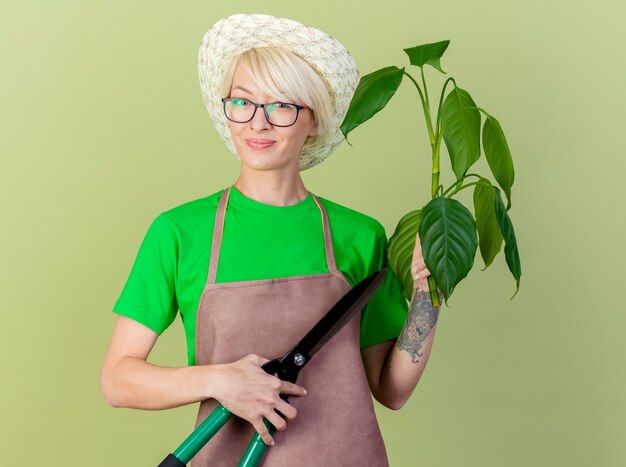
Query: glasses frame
263,106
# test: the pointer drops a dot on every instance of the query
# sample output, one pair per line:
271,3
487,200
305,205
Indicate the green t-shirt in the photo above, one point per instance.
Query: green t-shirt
260,241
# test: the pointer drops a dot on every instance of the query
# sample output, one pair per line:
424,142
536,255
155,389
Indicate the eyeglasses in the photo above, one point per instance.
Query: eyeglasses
281,114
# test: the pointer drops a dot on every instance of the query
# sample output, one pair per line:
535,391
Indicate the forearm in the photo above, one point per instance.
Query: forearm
132,382
408,357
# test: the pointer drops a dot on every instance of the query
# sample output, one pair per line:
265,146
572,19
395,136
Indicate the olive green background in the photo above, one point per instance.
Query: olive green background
103,127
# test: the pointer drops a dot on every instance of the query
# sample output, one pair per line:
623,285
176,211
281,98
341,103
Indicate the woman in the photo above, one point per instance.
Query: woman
252,267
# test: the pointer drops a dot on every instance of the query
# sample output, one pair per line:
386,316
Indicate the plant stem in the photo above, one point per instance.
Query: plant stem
432,289
434,189
459,181
435,174
463,187
426,108
443,90
425,89
432,284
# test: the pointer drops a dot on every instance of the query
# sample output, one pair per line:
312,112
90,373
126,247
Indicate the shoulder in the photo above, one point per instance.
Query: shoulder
351,220
359,240
191,214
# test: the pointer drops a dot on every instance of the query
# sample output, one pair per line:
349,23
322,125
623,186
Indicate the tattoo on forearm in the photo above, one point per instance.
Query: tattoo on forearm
421,318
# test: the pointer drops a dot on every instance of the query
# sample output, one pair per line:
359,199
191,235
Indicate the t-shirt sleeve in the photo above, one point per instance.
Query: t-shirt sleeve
384,315
149,295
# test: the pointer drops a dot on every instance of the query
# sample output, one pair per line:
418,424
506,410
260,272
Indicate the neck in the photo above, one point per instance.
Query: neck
275,189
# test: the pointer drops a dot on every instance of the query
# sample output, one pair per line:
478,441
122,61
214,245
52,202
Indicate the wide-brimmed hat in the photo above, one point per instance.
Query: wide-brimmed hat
235,34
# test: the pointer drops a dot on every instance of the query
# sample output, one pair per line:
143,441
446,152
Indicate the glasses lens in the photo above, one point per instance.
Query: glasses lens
238,110
279,113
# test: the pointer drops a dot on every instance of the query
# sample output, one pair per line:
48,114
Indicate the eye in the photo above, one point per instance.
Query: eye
281,106
239,102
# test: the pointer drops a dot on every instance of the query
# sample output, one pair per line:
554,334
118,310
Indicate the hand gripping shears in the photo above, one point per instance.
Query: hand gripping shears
286,368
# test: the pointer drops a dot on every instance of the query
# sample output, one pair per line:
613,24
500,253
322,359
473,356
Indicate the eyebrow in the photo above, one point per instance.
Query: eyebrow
243,89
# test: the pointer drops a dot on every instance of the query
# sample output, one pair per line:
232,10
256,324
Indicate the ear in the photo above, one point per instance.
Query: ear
314,128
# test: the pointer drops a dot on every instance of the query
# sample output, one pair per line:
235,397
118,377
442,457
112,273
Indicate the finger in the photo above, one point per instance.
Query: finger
417,255
418,242
417,269
261,429
257,359
420,273
279,422
292,389
288,410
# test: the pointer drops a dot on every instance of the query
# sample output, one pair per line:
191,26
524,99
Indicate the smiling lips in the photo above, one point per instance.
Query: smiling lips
259,143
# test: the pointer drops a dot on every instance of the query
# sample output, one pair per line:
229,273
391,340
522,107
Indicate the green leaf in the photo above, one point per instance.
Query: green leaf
400,252
448,235
490,239
462,130
370,96
428,54
498,156
510,248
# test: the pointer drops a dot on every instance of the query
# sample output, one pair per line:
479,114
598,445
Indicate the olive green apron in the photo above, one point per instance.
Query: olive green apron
336,424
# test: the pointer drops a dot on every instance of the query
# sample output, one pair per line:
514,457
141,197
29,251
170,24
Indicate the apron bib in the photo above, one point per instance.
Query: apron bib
336,424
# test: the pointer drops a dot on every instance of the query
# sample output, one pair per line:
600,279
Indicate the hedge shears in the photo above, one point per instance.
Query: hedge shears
286,368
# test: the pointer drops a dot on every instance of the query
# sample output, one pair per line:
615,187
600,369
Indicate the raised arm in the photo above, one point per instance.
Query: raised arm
394,367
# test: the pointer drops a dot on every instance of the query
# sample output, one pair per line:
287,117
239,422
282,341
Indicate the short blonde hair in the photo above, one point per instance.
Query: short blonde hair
284,75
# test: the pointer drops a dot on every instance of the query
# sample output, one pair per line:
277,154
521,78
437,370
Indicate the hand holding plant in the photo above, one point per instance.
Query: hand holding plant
448,231
419,271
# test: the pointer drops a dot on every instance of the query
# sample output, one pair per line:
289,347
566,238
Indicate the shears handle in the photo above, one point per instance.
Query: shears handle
198,438
256,448
216,420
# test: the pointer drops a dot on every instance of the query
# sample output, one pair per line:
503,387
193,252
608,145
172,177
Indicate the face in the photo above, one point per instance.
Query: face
260,145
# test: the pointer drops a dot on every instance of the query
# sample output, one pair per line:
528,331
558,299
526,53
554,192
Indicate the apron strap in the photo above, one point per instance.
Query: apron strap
218,229
216,243
328,242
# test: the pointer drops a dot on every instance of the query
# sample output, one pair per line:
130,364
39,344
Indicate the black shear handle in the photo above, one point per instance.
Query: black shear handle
172,461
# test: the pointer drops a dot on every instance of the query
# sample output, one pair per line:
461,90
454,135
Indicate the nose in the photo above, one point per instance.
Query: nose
259,122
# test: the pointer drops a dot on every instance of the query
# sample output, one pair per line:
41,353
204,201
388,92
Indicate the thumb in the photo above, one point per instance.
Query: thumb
256,359
262,360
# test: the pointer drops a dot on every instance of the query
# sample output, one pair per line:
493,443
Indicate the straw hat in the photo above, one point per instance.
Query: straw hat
235,34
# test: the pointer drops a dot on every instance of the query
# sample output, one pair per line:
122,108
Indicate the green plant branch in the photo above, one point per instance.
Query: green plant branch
459,181
443,90
425,107
436,148
435,175
425,88
463,187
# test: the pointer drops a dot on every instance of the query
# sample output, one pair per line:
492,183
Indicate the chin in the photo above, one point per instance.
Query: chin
262,164
263,161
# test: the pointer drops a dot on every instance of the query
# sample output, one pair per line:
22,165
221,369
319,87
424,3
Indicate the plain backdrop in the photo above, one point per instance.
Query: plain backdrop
102,127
